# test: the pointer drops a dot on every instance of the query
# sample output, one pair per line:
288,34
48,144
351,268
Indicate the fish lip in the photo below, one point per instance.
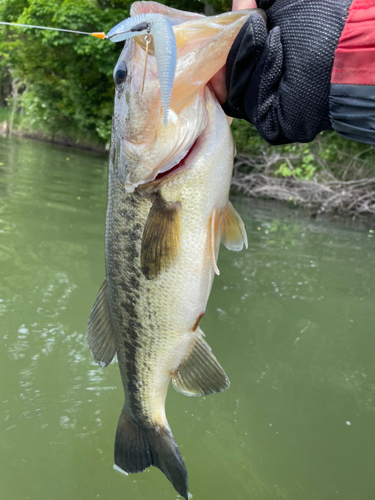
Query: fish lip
175,167
179,166
164,173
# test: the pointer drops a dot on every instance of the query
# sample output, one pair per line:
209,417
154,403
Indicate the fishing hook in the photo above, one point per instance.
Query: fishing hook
143,26
148,41
160,28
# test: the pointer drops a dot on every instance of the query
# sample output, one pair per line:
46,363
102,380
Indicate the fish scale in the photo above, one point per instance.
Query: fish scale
162,240
127,214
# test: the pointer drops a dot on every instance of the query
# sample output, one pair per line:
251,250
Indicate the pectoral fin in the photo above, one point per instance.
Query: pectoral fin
232,229
161,237
99,334
214,231
200,373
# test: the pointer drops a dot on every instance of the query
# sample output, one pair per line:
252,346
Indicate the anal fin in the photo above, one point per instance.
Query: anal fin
232,229
99,334
200,373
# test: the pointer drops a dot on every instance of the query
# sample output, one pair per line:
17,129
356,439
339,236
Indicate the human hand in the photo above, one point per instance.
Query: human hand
280,81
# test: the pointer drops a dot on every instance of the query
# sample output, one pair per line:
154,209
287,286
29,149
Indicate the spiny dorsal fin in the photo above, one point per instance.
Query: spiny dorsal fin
99,334
200,373
232,229
161,237
214,231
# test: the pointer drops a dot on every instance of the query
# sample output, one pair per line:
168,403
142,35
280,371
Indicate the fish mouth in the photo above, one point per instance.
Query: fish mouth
180,161
178,167
203,44
174,168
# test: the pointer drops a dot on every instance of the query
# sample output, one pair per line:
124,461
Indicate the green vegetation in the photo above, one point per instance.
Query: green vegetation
345,160
62,82
60,85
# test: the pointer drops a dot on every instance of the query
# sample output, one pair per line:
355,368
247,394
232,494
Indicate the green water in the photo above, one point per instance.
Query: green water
291,320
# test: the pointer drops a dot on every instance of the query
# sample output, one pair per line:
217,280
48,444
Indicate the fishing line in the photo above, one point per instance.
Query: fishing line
97,35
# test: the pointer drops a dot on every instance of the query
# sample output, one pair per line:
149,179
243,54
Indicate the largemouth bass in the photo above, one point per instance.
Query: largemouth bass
168,210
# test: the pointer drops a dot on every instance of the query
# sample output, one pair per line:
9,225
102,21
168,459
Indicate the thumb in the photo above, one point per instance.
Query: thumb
244,4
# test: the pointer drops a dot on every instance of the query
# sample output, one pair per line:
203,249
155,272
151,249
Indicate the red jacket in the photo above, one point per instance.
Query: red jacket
352,98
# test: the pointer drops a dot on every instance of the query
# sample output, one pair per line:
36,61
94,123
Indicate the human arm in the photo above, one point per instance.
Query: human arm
313,71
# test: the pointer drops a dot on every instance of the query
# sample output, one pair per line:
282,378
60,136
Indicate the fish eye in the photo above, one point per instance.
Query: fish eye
120,73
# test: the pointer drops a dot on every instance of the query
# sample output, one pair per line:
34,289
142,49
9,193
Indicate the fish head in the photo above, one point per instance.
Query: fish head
144,145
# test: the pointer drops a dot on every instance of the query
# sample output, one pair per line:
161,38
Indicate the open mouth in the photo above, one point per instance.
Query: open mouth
182,158
179,166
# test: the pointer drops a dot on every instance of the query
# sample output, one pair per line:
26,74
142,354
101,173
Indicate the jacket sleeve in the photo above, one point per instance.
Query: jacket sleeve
352,94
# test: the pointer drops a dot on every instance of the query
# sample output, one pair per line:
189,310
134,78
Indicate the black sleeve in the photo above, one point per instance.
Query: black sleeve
281,81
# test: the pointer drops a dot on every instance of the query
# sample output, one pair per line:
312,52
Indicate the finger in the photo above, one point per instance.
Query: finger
218,84
218,81
244,4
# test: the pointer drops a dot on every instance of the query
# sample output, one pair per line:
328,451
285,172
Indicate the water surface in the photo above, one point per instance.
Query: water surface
291,320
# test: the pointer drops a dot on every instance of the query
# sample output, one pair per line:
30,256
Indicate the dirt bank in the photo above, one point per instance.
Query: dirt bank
61,139
255,176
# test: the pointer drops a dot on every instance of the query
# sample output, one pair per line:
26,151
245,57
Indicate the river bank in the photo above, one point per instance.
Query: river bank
16,126
328,175
254,176
63,140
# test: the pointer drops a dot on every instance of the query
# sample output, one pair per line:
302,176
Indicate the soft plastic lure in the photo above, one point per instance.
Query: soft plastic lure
161,29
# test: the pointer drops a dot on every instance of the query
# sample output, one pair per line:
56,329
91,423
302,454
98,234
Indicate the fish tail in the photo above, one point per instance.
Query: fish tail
138,447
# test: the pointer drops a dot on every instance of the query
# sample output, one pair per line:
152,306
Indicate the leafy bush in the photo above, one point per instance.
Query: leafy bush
63,85
65,80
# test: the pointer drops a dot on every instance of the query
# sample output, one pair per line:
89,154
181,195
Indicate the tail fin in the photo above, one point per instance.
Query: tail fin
137,447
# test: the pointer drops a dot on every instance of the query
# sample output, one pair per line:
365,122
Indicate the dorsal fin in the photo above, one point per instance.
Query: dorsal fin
161,237
232,229
99,334
200,372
